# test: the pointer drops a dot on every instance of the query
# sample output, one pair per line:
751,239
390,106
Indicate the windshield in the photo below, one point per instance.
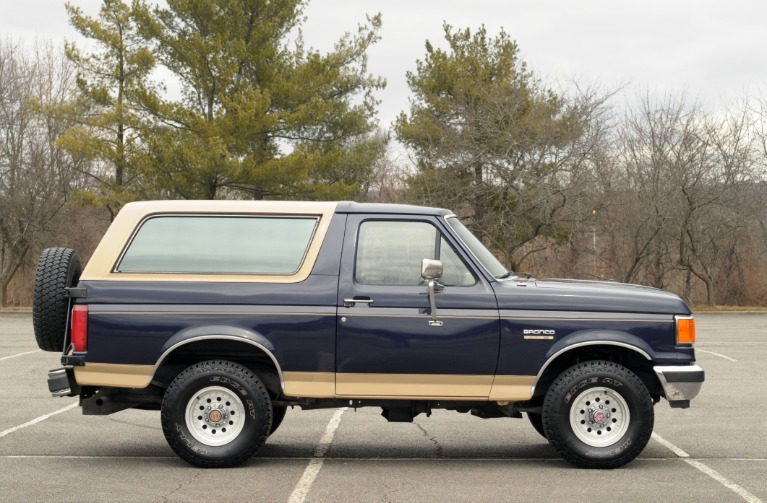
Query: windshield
487,259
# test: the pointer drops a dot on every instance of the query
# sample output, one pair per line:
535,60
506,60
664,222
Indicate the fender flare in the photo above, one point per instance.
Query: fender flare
220,332
594,338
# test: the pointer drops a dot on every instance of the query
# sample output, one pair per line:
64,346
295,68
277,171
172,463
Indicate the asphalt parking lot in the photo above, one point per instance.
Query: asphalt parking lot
714,451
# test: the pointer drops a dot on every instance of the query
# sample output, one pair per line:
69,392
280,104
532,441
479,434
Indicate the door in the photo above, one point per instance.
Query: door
389,343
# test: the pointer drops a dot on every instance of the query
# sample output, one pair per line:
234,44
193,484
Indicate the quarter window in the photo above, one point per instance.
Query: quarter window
219,245
390,253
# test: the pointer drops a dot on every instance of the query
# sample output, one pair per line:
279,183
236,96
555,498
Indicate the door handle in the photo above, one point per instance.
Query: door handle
357,300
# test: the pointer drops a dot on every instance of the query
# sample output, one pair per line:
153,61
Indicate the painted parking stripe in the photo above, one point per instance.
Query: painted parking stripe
37,420
740,491
716,354
20,354
315,464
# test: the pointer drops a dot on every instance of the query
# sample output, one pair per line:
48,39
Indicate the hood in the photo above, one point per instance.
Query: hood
578,295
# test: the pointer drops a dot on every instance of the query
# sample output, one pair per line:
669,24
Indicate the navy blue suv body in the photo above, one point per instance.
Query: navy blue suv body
222,314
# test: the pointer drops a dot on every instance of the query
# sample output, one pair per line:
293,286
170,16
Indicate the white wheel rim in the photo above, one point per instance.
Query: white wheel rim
599,417
215,416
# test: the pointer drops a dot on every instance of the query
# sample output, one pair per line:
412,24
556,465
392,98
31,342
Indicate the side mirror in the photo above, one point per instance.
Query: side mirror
431,269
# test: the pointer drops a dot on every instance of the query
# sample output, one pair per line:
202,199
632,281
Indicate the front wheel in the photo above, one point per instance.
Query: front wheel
216,414
598,414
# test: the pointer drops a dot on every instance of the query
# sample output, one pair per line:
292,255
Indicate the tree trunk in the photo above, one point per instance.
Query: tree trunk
211,189
4,292
479,203
710,300
14,259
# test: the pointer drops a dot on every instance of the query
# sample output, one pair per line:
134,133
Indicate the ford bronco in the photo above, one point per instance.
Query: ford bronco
221,314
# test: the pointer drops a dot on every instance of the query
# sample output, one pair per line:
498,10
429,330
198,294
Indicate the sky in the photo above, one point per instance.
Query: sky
714,51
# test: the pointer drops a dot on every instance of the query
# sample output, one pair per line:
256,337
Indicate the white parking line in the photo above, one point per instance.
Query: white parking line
20,354
740,491
315,464
716,354
665,443
37,420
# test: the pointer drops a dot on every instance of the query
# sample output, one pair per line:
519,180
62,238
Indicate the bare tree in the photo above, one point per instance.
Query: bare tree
677,192
713,203
35,174
387,182
657,144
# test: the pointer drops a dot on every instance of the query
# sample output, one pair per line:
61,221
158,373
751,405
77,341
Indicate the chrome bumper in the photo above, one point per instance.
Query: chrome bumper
680,383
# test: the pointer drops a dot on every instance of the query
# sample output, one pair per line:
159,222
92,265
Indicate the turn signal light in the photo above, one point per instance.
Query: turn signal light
80,327
685,330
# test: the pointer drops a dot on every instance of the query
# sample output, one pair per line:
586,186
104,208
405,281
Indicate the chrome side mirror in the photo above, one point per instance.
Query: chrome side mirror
431,269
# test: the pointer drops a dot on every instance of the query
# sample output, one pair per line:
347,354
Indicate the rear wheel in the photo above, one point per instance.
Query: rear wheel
598,414
216,414
57,269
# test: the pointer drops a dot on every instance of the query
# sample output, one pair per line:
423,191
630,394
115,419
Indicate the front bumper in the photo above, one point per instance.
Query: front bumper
680,383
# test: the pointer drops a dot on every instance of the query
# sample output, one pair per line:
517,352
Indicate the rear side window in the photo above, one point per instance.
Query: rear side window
219,245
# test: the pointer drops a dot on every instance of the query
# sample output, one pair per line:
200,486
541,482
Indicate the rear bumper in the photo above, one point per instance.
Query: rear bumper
61,382
680,383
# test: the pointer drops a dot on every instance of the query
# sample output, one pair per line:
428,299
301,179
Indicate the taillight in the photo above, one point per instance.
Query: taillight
80,327
685,330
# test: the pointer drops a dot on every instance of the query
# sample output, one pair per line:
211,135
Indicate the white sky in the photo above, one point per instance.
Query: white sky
715,50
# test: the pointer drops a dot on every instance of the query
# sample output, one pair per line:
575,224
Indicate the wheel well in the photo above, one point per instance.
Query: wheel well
632,360
252,357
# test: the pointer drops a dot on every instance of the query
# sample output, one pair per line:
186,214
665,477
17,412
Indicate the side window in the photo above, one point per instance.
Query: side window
219,245
390,253
454,271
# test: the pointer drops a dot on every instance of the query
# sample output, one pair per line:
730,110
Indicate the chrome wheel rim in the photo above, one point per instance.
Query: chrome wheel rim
215,416
599,417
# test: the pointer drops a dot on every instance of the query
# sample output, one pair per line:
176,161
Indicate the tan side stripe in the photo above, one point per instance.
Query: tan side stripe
350,385
113,374
413,385
228,313
512,388
310,384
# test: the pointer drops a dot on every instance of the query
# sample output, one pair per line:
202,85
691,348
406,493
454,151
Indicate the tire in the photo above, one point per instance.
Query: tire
200,412
537,421
278,414
598,414
57,269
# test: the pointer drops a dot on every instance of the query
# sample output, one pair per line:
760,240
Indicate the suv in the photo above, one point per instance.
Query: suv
221,314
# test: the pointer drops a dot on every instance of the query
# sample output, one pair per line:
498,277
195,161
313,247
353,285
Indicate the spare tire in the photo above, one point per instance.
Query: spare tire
57,269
